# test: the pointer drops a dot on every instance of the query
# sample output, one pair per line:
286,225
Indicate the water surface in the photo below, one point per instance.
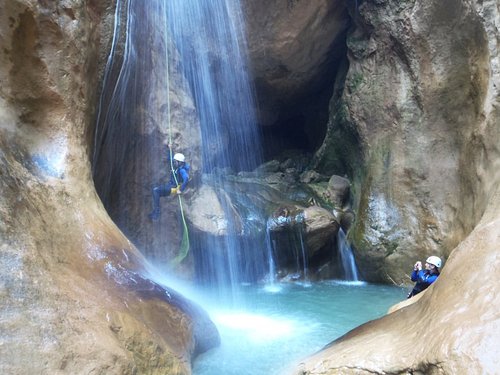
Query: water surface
280,324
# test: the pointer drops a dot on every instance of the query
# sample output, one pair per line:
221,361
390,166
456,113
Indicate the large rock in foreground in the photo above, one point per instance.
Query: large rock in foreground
452,329
75,296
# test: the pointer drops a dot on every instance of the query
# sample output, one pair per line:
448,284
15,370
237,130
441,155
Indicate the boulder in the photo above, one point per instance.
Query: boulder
338,191
321,228
205,212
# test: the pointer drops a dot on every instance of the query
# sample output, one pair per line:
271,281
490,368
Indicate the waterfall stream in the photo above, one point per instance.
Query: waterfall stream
346,257
210,39
260,323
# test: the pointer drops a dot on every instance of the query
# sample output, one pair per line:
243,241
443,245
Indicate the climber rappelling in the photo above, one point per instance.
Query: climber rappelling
177,184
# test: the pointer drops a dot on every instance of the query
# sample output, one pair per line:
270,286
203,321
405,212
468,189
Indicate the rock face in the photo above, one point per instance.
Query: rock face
415,124
75,293
294,49
142,109
421,104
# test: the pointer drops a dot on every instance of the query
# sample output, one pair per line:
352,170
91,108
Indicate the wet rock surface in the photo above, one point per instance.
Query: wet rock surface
413,124
75,293
421,97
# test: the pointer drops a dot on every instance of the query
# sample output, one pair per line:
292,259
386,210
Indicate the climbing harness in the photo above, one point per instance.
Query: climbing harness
184,248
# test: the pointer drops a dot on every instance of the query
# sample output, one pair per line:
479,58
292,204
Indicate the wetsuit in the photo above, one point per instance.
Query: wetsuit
179,176
423,279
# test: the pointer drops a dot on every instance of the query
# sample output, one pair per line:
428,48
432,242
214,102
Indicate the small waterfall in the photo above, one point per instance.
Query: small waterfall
303,255
269,250
346,257
286,244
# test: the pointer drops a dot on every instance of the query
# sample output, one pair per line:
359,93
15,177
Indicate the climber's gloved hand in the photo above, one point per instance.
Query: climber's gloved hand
176,190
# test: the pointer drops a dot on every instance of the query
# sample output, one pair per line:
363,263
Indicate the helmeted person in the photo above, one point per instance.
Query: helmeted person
179,179
425,277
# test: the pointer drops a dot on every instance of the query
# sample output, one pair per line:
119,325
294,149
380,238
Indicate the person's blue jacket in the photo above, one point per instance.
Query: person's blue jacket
182,176
423,279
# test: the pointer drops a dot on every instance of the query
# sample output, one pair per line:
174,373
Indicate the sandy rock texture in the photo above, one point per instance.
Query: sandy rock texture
75,296
432,157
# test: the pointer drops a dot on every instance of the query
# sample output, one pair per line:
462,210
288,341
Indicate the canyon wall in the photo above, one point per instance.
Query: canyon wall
413,121
75,293
414,124
421,101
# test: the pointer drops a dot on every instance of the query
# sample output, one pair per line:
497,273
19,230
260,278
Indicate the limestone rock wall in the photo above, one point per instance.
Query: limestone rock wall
145,105
415,123
74,292
439,110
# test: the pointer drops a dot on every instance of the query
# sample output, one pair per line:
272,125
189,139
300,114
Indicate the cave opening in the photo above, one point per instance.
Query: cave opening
302,126
300,120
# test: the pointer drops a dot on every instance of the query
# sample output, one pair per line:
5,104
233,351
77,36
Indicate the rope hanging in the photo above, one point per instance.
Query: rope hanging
184,248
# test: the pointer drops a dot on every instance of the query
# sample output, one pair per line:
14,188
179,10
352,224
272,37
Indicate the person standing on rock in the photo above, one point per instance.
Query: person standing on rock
179,179
425,277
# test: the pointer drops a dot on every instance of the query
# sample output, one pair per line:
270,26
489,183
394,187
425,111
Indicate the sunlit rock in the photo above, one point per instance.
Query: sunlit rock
75,293
205,212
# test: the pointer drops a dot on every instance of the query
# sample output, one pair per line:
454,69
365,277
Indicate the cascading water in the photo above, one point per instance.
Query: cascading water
210,39
346,257
286,246
271,262
303,250
271,331
211,42
209,51
129,154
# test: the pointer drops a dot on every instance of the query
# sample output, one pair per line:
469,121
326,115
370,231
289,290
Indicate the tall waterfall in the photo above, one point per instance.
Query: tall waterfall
210,38
210,52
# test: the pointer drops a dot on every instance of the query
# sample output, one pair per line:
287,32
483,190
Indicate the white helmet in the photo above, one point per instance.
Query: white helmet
179,157
436,261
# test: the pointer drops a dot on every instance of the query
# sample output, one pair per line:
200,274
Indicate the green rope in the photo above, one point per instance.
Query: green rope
184,248
183,251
